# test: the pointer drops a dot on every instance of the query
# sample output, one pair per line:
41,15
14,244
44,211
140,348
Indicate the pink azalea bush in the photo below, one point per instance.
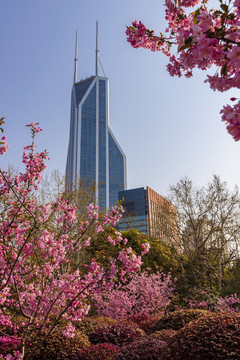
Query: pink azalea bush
39,280
228,303
201,38
8,345
213,303
145,294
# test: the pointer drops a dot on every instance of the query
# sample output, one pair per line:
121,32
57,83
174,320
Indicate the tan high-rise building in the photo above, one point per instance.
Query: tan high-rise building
149,213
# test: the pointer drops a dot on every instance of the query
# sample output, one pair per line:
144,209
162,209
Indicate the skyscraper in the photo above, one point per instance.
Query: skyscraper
94,154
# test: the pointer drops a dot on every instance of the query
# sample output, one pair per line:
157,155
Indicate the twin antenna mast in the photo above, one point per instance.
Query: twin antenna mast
97,60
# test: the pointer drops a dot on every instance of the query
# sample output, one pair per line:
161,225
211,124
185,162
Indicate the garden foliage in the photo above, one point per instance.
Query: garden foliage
118,334
144,294
97,352
147,349
178,319
211,337
40,279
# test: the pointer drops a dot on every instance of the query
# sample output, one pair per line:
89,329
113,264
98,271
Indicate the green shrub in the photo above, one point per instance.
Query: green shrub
58,347
214,337
178,319
117,334
89,324
97,352
147,349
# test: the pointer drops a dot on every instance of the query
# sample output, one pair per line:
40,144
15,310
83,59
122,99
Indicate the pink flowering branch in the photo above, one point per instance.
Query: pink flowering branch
202,38
37,247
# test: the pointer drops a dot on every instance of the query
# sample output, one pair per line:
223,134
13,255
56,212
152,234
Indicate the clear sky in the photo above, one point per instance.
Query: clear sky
167,127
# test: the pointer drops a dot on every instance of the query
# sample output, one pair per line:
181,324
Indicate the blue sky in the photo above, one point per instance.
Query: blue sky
167,127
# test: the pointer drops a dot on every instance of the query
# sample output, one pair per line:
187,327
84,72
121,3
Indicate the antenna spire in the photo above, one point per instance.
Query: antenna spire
75,59
97,50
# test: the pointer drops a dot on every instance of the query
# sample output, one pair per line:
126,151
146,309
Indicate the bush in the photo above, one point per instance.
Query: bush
9,346
117,334
178,319
145,322
148,349
89,324
96,352
58,347
145,293
163,335
215,336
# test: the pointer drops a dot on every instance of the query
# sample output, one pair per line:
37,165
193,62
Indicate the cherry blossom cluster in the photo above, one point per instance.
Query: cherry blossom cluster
39,275
223,303
201,39
3,146
229,303
145,294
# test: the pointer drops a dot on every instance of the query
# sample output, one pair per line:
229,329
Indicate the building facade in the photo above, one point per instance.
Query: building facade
149,213
94,154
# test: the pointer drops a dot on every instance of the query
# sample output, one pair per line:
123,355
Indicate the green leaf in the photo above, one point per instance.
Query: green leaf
188,40
231,16
224,7
224,69
186,46
197,12
218,12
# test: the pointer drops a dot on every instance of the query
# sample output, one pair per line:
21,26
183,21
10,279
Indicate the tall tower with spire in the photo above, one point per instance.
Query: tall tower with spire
94,154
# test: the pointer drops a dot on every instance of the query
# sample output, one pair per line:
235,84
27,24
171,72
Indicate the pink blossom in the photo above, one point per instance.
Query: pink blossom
145,248
87,242
204,20
39,278
189,3
69,331
111,240
196,32
145,294
204,38
231,115
3,146
234,56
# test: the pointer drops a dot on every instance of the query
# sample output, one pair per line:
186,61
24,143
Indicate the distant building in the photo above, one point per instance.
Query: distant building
94,154
149,213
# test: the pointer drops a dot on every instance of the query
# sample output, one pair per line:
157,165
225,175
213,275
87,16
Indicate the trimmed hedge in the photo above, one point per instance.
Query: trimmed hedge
58,347
90,324
97,352
117,334
214,337
163,335
148,349
178,319
145,322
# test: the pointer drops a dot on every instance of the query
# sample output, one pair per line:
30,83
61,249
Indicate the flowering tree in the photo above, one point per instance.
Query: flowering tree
39,282
145,294
203,37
